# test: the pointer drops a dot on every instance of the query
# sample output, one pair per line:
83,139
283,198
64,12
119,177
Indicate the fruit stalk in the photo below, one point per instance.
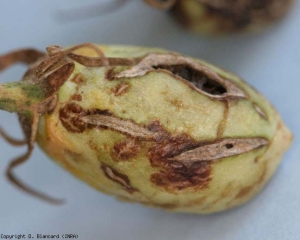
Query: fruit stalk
19,96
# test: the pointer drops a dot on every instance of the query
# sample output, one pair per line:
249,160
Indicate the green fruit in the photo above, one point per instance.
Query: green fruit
150,126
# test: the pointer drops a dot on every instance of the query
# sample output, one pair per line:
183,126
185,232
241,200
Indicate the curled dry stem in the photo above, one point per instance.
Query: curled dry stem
11,140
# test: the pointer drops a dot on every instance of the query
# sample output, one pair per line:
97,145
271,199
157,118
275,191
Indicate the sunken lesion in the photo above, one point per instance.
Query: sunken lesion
118,177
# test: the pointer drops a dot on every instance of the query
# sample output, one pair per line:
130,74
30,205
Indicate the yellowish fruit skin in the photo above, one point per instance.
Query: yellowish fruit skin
158,96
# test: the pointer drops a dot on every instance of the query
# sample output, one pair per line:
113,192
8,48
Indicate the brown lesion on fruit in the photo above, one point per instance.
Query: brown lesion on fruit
197,76
126,149
186,163
69,116
118,177
76,119
121,89
183,161
76,97
256,160
78,79
177,175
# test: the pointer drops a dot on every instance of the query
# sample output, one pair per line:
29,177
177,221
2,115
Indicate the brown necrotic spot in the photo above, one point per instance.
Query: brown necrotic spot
70,117
76,97
117,177
176,175
126,149
110,74
78,79
186,163
121,88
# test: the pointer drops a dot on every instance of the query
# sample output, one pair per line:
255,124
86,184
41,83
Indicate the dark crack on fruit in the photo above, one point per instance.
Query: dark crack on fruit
118,177
229,145
199,79
196,75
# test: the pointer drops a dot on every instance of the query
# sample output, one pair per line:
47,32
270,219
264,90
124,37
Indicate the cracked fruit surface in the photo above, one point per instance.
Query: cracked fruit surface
151,126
